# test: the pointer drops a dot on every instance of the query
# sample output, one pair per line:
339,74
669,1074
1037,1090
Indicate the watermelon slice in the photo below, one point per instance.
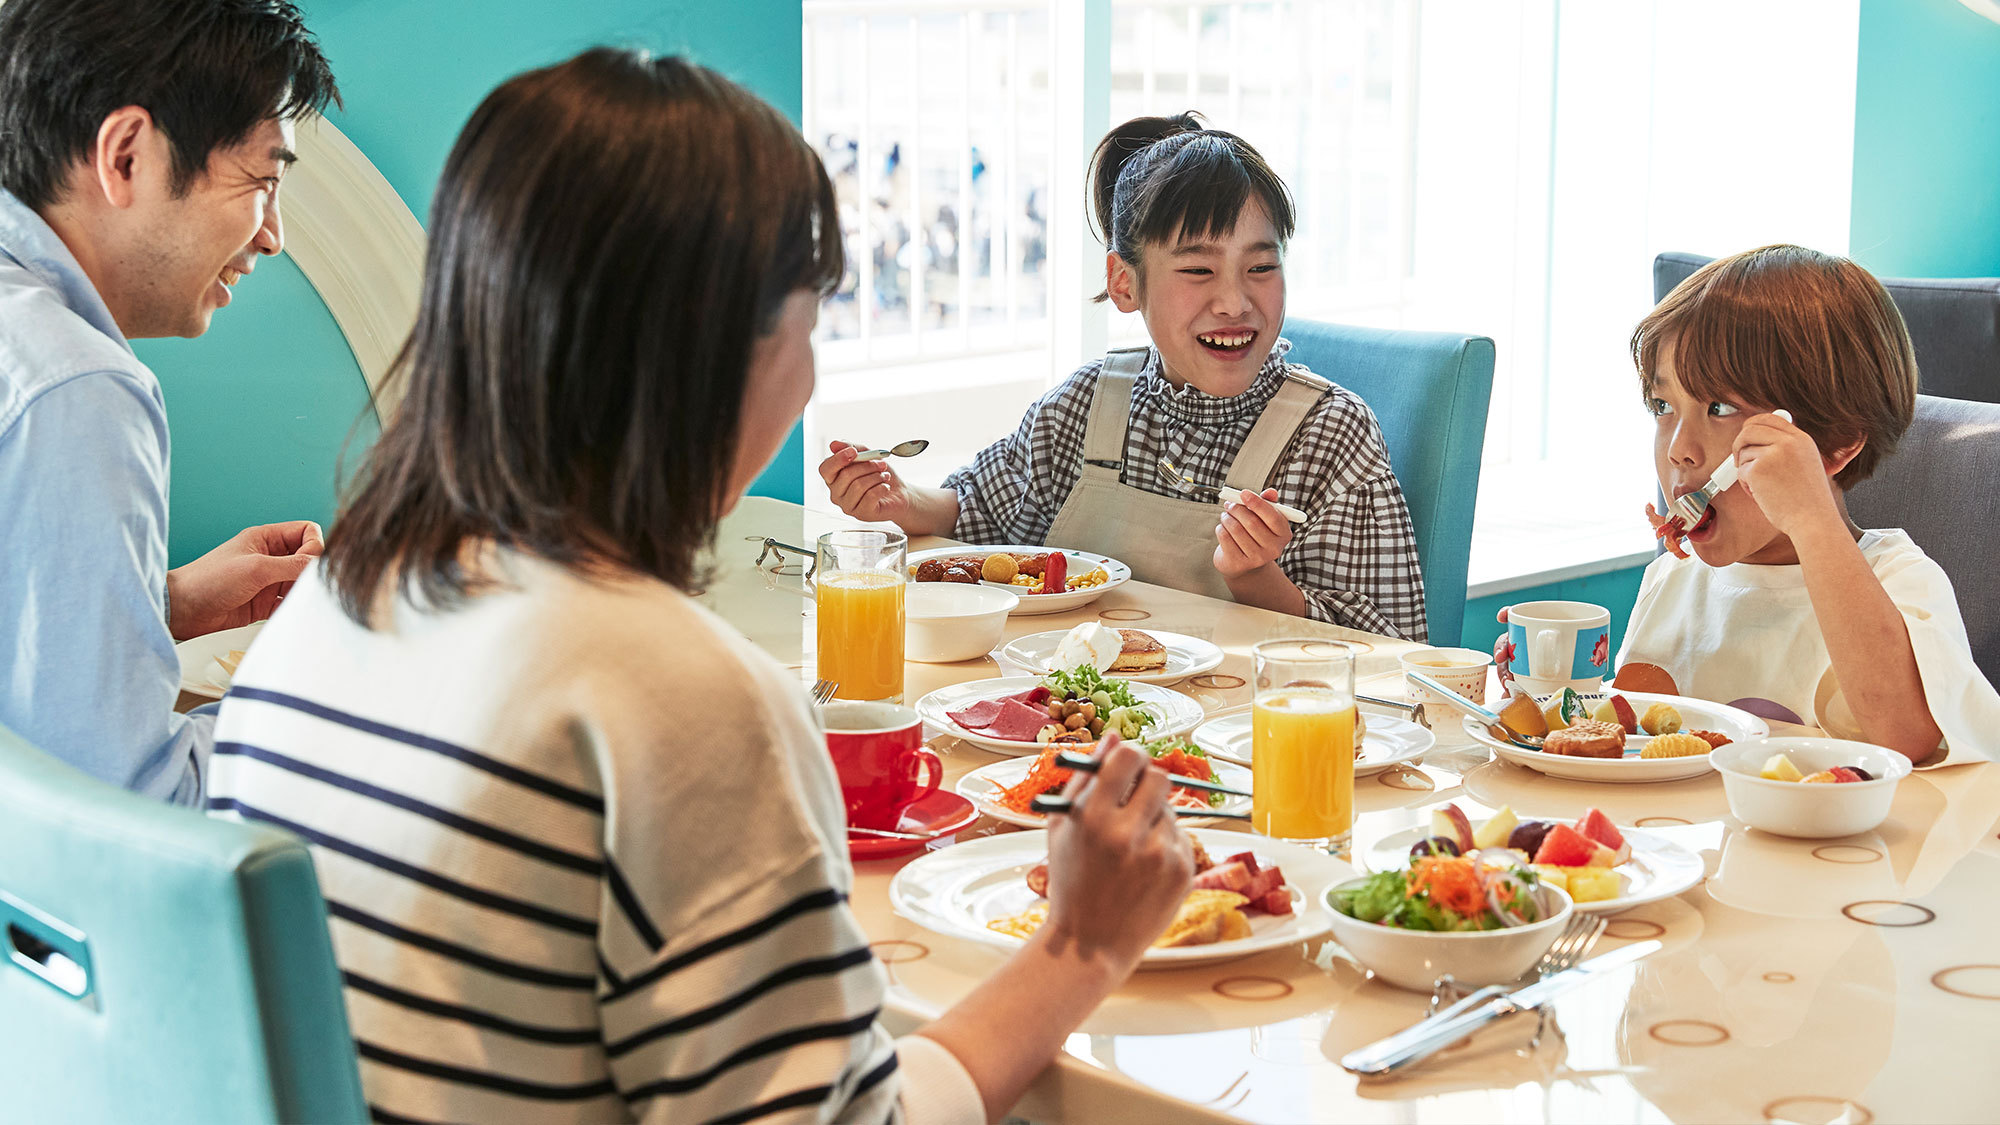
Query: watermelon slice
1566,847
1596,826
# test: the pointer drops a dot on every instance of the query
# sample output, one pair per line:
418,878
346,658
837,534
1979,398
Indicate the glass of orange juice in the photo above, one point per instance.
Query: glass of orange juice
859,590
1302,742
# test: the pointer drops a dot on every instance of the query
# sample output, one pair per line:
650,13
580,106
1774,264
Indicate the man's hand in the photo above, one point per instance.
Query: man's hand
1252,534
241,581
1786,474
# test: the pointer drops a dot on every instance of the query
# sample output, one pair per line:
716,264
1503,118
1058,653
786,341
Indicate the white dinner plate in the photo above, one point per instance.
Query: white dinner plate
1186,656
1385,742
1080,562
1737,724
200,674
982,785
1659,868
955,891
1177,713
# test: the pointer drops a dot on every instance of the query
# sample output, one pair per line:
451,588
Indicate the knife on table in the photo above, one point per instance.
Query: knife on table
1434,1034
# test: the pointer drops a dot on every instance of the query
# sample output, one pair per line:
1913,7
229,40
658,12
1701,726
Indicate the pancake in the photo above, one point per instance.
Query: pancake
1141,653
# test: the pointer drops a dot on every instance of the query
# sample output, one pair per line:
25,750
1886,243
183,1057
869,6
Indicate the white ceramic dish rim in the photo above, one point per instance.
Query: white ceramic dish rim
1305,923
1001,599
1687,870
1378,726
1735,759
933,709
1017,654
1632,769
1569,906
1037,603
978,785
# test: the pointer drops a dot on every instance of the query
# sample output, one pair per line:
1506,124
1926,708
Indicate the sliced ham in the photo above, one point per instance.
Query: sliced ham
1016,718
1263,883
1223,877
1277,902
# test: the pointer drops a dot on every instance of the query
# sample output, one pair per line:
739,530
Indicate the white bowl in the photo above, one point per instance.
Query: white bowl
945,622
1415,959
1814,812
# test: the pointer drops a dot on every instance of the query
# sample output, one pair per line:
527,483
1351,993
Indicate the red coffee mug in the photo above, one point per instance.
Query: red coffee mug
879,751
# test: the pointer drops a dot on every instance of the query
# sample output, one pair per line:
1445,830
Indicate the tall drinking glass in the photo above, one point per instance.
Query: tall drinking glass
1302,742
859,589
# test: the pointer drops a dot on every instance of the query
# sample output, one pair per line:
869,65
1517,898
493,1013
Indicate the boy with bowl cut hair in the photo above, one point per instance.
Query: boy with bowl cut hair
1786,604
145,143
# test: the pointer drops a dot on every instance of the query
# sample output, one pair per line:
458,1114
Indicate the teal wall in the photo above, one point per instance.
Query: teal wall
1615,591
261,405
1927,141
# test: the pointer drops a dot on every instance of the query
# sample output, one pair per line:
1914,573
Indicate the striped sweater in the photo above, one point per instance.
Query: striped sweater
583,855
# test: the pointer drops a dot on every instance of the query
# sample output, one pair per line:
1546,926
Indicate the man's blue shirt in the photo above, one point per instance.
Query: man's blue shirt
88,671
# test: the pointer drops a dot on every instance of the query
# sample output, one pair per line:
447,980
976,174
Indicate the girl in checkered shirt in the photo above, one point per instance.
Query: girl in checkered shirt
1126,456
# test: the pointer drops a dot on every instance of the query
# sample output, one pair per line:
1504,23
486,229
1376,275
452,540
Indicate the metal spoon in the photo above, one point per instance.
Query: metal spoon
1494,726
1185,485
907,449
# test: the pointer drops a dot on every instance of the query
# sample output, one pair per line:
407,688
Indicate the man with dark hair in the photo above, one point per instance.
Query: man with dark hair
142,144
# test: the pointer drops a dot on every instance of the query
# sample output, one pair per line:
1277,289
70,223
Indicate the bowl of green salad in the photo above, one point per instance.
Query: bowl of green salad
1481,919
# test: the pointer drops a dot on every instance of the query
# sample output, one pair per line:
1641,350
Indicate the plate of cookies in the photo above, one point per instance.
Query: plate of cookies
1617,736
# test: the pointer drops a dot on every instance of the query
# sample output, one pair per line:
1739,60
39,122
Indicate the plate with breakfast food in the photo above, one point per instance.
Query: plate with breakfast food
208,662
1047,581
1025,714
1603,868
1147,656
1619,736
1250,895
1384,741
1006,790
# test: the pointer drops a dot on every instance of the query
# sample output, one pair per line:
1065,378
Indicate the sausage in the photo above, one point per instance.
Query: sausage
1054,571
1038,879
930,570
960,573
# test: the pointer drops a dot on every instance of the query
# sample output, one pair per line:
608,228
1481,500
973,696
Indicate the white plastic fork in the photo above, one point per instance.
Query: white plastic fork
1690,508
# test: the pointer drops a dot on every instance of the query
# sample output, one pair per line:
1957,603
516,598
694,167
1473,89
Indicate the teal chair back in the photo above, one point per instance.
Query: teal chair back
159,966
1429,390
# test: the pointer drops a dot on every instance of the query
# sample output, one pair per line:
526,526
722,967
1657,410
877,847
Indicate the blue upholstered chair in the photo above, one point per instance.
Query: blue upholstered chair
1429,390
159,966
1939,487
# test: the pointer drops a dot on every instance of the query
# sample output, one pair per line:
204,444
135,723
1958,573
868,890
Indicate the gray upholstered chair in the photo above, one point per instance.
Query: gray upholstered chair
1942,485
1954,323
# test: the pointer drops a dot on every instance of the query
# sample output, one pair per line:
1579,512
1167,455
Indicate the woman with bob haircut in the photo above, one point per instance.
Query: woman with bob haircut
581,844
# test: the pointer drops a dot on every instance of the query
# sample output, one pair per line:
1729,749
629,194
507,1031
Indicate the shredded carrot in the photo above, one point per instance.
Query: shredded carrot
1044,776
1451,881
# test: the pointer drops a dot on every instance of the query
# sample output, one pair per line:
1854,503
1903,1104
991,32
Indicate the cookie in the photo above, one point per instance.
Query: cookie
1587,738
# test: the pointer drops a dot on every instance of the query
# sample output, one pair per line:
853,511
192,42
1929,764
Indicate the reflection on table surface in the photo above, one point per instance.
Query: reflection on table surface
1812,981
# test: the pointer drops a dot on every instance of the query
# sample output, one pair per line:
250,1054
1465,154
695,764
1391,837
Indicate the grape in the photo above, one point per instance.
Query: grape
1527,836
1433,845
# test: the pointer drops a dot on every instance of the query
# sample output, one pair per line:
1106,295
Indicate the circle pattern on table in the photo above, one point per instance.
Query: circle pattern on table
1689,1033
1659,821
1252,988
1780,978
1874,916
1988,981
1407,779
1829,1110
897,951
1126,614
1845,853
1633,929
1216,681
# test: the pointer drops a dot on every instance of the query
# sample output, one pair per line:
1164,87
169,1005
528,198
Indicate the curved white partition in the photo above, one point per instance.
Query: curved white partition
360,247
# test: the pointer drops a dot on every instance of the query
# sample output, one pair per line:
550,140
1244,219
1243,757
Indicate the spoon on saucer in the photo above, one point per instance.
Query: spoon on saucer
907,449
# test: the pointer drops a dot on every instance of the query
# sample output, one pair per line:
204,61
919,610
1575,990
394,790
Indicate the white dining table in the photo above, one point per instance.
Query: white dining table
1853,980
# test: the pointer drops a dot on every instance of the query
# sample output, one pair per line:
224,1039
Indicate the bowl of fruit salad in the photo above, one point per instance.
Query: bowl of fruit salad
1812,788
1480,920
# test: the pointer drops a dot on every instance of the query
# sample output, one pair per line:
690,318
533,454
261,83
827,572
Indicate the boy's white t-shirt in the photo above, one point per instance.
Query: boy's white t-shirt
1749,632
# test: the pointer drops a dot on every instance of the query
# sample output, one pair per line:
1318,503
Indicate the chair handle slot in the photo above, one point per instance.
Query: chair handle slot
46,948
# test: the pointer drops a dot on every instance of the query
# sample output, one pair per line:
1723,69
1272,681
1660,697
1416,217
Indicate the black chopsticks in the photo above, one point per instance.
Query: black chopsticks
1070,760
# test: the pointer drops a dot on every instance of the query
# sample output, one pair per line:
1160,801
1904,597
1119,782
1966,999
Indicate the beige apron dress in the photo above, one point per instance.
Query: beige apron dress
1166,540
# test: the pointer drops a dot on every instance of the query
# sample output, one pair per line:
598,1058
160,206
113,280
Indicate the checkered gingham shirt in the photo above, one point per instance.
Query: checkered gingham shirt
1355,558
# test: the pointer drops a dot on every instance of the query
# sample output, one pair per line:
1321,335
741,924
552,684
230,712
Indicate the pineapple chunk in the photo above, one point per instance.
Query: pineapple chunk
1780,768
1554,876
1592,884
1494,833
